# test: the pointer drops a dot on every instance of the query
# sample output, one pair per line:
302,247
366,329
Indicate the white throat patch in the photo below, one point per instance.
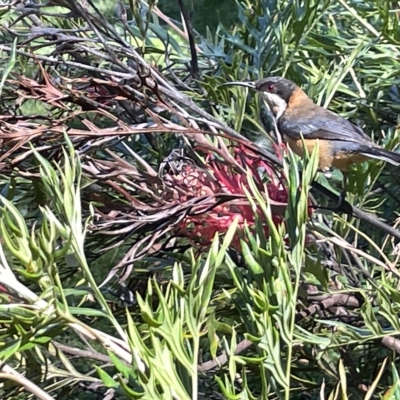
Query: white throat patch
275,103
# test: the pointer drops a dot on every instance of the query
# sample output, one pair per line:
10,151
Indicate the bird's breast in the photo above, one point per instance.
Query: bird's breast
330,153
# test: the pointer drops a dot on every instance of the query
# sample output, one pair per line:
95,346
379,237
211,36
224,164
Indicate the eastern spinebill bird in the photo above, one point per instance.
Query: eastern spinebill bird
341,143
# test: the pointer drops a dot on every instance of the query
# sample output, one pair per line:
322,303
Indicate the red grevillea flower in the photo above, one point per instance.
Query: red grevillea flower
224,179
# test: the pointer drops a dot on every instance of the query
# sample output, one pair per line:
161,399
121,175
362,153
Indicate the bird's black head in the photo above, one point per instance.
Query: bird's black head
275,91
276,85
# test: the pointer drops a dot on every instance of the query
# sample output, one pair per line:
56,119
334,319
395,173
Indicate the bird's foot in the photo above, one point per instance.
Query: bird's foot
342,205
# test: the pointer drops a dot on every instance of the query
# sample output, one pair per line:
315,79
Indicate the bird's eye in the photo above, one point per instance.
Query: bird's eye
271,88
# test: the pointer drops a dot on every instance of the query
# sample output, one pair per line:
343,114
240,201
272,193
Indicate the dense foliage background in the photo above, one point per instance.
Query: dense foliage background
150,247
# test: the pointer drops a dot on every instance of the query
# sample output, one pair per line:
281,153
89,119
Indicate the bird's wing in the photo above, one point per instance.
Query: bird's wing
322,125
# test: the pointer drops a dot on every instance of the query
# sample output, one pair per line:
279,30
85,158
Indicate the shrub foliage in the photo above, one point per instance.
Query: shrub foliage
151,248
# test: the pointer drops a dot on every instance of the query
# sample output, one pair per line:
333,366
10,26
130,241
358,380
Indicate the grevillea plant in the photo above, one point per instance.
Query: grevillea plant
232,180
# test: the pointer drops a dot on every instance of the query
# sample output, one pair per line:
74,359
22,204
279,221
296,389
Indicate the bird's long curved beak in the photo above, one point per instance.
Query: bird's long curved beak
250,85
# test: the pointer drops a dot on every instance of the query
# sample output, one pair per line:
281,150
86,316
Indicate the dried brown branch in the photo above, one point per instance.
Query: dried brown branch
190,33
326,302
223,358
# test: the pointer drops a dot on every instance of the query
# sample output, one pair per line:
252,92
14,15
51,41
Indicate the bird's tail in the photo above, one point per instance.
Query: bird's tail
381,154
